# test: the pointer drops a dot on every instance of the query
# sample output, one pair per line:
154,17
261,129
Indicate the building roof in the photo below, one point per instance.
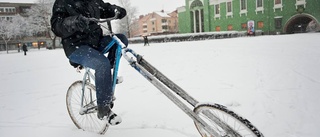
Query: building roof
162,14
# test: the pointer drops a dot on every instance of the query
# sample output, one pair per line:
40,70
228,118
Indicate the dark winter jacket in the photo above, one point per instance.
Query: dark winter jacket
24,47
69,10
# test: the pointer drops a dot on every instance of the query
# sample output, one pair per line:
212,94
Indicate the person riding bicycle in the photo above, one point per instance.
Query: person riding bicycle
83,43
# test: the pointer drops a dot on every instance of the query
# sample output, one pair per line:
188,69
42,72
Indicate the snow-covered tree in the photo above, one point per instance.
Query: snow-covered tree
39,19
124,25
10,29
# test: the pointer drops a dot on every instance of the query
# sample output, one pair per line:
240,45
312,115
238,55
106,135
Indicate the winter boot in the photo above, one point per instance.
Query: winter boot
104,112
119,79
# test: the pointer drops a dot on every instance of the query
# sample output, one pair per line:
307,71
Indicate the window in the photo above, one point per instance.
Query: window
260,24
243,7
244,26
259,3
9,18
217,11
243,4
8,9
278,22
230,27
259,6
164,27
196,3
277,5
229,8
218,28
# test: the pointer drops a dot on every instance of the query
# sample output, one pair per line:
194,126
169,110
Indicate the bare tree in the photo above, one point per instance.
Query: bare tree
124,25
39,19
10,29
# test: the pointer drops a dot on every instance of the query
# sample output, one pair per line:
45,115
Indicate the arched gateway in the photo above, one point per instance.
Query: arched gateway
299,23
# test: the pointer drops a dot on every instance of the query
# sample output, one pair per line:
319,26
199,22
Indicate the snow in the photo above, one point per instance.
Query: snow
273,81
163,14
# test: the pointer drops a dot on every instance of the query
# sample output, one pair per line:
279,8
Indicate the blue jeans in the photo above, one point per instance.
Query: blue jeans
94,59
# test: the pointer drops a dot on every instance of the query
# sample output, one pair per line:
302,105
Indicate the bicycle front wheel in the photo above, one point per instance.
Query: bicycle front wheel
82,107
225,122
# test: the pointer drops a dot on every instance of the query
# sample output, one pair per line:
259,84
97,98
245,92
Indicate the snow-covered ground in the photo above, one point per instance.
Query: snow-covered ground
274,81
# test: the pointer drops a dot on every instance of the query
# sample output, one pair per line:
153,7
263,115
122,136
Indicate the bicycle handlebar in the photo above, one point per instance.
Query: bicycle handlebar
107,19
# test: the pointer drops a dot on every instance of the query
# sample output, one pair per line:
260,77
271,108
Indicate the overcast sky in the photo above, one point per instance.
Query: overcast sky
144,6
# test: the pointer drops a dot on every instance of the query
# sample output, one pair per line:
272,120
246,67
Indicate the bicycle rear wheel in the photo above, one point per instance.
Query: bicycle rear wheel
85,116
225,122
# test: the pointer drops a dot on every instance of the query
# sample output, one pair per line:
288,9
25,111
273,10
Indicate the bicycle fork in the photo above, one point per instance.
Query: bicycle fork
160,81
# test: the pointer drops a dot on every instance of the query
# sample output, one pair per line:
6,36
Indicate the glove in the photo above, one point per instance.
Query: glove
81,23
121,11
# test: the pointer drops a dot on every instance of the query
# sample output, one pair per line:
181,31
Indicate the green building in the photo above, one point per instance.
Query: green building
269,16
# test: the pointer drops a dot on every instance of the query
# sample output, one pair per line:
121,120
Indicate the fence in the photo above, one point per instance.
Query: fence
193,36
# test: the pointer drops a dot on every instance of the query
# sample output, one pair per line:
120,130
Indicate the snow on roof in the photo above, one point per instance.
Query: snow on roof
162,14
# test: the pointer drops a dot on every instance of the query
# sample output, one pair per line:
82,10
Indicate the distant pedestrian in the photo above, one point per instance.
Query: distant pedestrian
145,38
25,49
19,47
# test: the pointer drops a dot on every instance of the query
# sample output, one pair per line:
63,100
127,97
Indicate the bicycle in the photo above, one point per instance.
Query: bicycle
211,120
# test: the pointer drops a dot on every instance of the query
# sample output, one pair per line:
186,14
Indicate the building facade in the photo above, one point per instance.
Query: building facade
269,16
7,12
155,23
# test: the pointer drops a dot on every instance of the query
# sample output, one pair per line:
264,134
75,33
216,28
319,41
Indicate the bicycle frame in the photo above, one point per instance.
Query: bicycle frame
154,76
88,75
163,83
